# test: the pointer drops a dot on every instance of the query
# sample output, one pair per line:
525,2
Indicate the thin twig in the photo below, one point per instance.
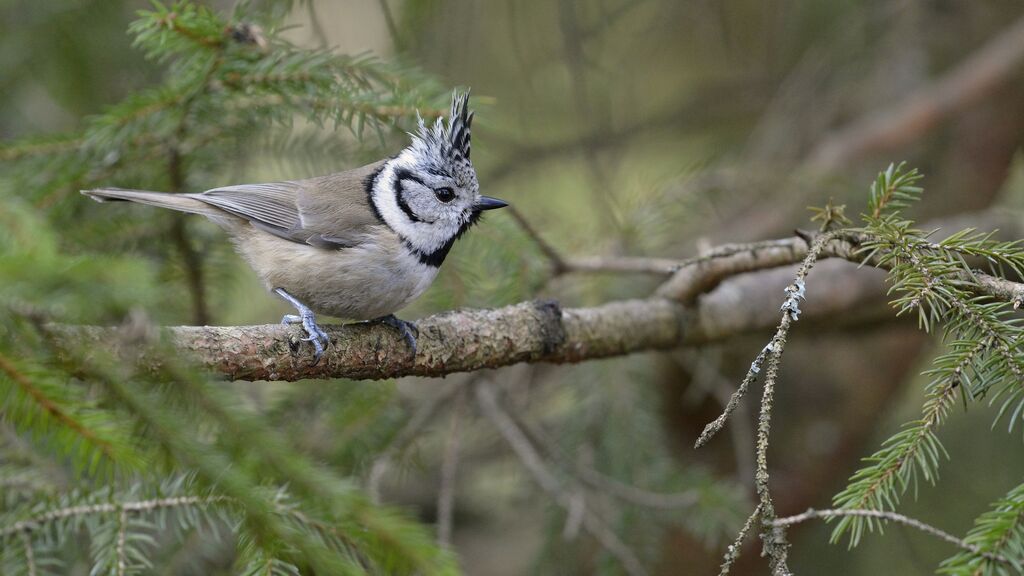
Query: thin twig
409,433
972,79
534,464
603,483
732,553
314,22
811,514
706,373
717,424
643,264
389,21
449,468
122,539
558,263
775,545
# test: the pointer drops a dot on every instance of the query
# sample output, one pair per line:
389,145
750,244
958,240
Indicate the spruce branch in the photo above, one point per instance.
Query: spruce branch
259,510
49,146
51,407
381,529
40,401
261,521
912,453
934,280
993,544
41,520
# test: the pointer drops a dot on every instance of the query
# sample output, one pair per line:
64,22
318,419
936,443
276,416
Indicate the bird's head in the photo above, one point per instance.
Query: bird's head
428,194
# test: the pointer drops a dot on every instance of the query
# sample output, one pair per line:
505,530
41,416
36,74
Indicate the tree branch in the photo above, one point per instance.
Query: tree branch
890,517
459,341
971,80
535,331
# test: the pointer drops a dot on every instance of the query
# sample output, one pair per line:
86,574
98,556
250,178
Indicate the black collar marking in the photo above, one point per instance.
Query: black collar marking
436,258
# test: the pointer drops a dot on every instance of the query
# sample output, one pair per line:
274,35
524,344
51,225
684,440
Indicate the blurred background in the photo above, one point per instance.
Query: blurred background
614,127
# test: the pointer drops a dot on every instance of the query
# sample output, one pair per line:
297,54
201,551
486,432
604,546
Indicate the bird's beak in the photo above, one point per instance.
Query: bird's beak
488,203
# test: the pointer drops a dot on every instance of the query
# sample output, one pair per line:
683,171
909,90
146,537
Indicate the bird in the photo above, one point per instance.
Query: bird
359,244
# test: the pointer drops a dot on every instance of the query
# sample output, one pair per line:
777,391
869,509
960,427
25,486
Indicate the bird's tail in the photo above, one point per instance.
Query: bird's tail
179,202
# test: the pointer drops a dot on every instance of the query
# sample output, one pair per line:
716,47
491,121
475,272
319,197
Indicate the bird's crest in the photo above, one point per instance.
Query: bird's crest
451,139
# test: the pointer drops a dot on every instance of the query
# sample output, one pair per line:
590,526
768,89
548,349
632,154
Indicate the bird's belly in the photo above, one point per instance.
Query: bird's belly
360,283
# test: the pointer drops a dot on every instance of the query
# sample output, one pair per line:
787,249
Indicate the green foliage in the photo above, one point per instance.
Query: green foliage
936,280
105,436
999,531
893,190
232,87
830,215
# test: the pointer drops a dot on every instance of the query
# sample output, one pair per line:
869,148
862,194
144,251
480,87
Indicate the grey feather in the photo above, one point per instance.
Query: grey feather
273,204
179,202
337,210
327,212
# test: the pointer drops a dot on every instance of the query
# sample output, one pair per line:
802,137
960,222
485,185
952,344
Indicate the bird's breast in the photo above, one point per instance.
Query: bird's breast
374,278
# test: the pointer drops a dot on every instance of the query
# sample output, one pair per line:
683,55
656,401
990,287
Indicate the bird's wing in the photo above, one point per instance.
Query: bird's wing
337,207
271,207
328,211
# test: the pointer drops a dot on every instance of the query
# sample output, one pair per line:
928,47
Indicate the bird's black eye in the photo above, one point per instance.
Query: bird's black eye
444,194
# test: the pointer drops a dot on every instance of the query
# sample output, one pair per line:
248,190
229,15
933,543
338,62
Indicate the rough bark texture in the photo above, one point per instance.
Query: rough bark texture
458,341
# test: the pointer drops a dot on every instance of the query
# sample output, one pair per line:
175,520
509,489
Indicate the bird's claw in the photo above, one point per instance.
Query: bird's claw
315,334
408,330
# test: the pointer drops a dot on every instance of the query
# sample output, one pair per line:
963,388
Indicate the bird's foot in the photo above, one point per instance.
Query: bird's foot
408,330
305,316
